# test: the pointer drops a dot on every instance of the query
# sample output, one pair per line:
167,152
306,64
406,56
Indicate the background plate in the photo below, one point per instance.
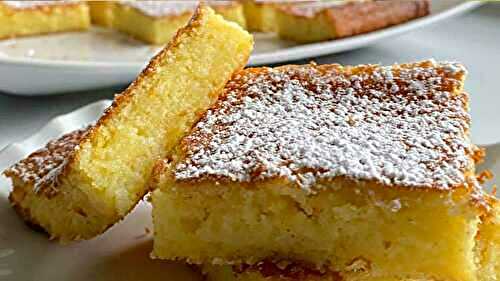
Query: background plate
100,58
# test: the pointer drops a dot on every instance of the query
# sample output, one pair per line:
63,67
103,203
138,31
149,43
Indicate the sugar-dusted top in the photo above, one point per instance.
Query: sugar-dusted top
404,124
154,8
311,9
45,164
34,4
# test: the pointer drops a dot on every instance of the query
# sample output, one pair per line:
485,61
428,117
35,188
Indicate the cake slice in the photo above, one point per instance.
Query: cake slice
332,19
23,18
78,186
156,22
354,170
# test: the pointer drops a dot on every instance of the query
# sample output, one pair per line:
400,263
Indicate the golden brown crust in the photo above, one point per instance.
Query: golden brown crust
41,166
288,271
357,18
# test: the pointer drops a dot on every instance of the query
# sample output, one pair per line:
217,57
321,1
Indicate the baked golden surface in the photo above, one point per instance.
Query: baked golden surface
78,187
366,171
327,20
24,18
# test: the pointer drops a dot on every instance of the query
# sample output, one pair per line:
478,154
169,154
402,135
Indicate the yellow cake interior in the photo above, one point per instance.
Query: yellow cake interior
304,29
260,17
101,12
374,229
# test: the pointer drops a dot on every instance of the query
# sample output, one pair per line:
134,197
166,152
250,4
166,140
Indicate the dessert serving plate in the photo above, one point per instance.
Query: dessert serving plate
70,62
122,253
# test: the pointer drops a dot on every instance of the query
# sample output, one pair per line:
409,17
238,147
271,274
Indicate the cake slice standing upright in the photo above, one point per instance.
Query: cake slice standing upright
78,186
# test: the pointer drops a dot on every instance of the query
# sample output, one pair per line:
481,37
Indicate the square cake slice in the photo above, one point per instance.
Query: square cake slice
156,22
333,19
23,18
78,186
350,169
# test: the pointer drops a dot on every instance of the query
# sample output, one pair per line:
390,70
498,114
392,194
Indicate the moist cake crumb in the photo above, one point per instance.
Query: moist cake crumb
393,125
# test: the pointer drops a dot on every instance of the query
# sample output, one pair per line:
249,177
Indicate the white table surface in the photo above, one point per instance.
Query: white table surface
473,39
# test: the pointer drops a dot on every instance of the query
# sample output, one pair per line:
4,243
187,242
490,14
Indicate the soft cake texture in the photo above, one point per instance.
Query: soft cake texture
23,18
319,21
82,184
364,171
157,21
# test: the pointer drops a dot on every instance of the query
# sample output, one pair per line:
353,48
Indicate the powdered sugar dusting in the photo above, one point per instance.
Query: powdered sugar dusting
311,9
169,8
32,4
44,165
396,125
162,8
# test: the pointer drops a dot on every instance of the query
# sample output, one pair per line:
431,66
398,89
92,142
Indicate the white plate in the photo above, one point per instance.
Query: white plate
101,58
120,254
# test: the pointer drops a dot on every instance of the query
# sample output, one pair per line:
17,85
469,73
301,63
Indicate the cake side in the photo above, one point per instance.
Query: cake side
101,12
110,164
25,18
356,18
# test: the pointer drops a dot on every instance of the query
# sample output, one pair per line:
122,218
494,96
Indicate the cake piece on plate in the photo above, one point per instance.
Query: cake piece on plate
101,12
355,170
327,20
78,186
156,22
23,18
260,14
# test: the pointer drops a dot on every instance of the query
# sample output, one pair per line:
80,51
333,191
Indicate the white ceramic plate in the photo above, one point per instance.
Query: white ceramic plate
101,58
121,254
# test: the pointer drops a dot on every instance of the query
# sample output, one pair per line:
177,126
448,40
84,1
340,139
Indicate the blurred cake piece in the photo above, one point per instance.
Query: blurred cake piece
78,186
332,19
156,22
364,170
260,14
23,18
